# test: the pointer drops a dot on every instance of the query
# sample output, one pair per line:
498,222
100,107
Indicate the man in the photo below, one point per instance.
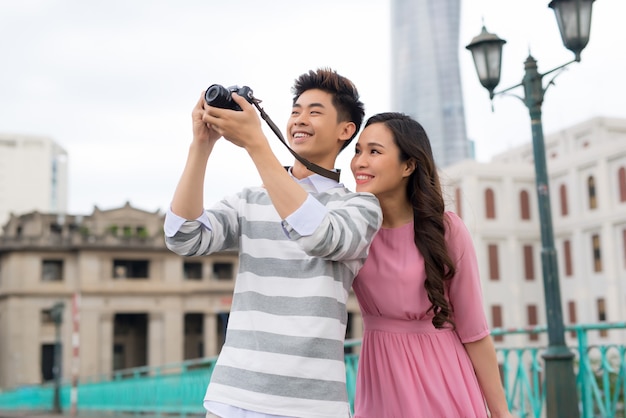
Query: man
301,239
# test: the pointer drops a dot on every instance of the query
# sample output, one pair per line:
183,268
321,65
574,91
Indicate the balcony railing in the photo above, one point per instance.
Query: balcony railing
179,388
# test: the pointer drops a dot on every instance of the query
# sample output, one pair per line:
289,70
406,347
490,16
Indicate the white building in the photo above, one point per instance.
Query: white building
498,202
33,176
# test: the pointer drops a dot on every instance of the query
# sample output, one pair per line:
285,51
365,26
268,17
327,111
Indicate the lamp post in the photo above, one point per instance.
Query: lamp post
574,20
57,316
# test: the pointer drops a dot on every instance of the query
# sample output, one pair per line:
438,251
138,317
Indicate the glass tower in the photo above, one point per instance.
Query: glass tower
426,76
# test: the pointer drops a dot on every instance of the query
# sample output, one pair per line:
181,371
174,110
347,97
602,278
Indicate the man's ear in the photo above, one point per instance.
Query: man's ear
349,128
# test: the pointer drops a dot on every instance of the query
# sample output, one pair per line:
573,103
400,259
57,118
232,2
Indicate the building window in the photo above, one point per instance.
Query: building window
601,307
46,317
591,190
194,336
130,269
223,271
601,310
52,270
573,320
494,268
457,198
529,263
56,229
119,357
141,232
47,362
621,175
130,340
524,205
496,321
597,253
567,254
222,324
490,205
563,199
624,246
531,313
192,270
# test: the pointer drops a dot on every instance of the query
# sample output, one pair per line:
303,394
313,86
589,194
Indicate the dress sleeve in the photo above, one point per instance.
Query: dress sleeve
464,291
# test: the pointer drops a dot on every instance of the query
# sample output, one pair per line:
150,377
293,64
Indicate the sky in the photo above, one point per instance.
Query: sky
114,82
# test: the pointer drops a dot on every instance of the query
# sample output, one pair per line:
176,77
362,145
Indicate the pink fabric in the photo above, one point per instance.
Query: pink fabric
407,367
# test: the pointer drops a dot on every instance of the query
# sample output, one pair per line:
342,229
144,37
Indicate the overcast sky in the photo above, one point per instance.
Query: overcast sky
114,82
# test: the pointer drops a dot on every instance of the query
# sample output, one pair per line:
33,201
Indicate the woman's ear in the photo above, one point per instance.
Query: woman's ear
409,167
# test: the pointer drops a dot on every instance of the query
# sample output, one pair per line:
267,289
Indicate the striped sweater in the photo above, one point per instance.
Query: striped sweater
283,352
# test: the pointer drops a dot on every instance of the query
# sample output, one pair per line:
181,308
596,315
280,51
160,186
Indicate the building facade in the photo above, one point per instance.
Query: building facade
498,203
426,74
33,175
125,297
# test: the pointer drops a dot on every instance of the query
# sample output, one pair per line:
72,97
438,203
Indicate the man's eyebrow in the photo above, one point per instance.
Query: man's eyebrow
310,105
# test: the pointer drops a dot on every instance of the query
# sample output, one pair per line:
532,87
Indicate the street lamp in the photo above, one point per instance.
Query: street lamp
574,20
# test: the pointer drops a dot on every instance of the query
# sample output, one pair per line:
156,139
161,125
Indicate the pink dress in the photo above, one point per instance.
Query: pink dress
408,368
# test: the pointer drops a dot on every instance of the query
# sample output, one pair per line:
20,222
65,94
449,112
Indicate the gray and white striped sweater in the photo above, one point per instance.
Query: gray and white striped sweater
283,352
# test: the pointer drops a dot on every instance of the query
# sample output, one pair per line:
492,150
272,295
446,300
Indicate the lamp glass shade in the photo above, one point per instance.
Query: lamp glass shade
574,20
486,51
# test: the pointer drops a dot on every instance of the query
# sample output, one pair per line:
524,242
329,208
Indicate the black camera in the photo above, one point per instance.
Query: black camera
220,96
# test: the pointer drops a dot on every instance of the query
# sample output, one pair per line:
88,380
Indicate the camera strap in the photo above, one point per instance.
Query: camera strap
333,175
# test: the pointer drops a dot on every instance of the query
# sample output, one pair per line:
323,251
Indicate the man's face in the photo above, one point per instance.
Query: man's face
313,130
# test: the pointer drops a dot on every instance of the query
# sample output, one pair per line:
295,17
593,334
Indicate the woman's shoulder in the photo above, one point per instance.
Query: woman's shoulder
452,218
455,227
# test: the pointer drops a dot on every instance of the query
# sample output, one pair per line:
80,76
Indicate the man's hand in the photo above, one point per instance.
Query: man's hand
203,132
242,128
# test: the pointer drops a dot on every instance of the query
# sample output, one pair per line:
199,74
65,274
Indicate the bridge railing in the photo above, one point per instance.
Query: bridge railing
179,388
600,372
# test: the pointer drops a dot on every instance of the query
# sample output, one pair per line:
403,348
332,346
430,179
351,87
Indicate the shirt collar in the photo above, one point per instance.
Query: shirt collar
318,183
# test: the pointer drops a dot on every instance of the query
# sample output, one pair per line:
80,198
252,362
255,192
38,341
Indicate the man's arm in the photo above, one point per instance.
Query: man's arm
188,200
243,128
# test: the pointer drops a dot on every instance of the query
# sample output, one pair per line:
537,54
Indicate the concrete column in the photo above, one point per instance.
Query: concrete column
174,340
90,343
24,366
210,335
106,342
156,339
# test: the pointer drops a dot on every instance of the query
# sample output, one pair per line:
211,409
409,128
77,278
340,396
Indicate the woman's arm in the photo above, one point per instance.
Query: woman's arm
482,353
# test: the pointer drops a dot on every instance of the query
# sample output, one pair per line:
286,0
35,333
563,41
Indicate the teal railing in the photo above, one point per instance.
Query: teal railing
179,388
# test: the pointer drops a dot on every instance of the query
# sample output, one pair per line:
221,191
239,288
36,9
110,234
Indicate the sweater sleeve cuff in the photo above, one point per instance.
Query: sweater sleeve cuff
307,217
173,222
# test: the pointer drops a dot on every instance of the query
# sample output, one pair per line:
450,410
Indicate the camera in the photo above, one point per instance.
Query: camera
220,96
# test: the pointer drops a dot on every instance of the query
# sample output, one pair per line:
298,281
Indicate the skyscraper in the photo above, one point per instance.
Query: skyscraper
425,71
33,176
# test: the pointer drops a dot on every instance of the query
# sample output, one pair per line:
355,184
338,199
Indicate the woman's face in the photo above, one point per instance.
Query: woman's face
376,164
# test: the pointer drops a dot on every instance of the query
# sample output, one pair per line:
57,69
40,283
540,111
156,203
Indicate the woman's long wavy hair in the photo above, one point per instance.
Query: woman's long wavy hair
425,194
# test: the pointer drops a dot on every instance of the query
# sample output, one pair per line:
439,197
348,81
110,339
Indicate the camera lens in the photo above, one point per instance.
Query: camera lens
218,96
212,92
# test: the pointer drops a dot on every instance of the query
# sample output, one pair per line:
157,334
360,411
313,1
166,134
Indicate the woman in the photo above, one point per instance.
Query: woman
426,347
